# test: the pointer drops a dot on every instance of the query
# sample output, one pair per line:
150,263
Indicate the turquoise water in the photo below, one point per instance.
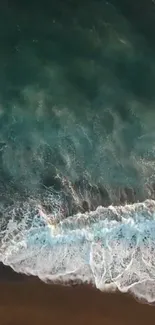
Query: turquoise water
77,137
111,246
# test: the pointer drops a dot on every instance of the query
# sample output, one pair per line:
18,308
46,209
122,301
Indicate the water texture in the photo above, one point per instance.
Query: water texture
77,142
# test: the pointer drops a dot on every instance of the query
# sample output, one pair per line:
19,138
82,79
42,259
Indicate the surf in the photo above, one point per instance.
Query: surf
112,247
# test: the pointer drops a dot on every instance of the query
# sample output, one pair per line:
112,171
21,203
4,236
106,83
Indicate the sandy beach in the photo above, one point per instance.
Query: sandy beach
26,300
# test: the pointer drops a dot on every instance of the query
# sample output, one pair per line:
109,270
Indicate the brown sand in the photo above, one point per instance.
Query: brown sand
26,301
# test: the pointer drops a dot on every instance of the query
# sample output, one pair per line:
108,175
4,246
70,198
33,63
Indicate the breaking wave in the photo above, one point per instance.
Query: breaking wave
111,247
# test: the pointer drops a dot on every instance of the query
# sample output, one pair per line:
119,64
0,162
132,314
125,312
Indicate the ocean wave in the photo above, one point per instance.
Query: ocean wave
111,247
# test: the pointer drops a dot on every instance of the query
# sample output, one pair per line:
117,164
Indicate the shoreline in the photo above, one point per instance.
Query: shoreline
26,300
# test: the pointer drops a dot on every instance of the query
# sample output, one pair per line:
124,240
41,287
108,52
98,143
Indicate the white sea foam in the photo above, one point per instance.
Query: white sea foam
112,247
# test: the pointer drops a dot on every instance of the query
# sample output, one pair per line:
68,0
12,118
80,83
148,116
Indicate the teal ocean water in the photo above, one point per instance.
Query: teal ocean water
77,142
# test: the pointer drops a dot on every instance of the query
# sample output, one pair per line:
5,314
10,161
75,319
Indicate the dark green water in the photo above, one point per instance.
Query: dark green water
77,130
77,95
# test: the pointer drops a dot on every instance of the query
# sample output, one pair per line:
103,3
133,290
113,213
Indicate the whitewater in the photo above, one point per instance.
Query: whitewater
77,153
112,247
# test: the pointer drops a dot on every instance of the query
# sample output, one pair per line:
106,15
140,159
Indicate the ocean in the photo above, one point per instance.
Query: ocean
77,181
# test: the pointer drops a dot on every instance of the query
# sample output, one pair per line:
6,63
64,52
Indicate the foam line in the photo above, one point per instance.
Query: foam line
112,247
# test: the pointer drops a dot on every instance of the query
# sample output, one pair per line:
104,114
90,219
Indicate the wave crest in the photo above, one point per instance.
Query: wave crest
112,246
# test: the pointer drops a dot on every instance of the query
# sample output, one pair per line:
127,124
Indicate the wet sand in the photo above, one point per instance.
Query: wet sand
26,301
